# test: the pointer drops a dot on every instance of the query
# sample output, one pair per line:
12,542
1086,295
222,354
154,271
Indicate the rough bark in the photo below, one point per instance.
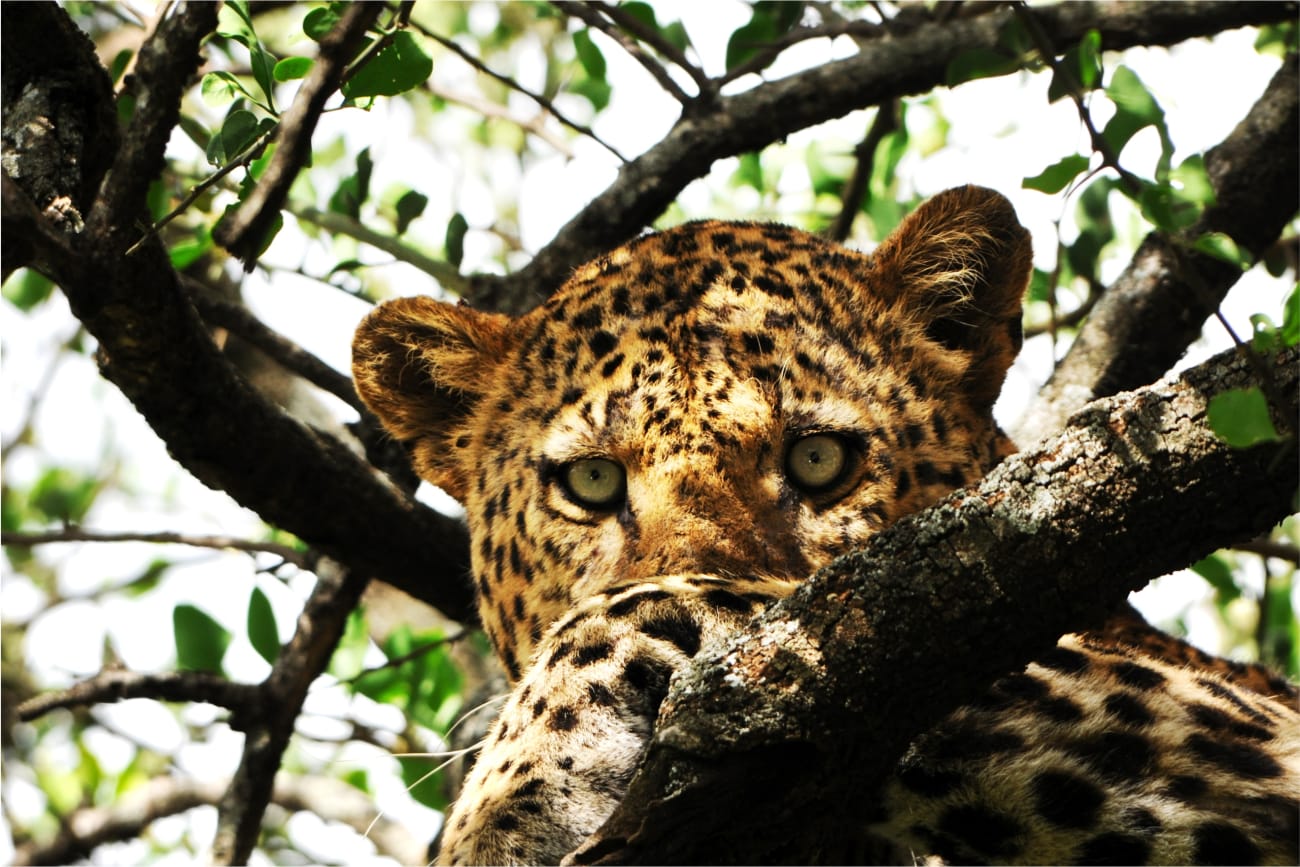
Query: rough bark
775,744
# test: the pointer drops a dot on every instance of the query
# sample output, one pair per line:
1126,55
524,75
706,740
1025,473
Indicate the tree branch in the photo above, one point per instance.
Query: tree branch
113,685
1149,315
154,347
801,718
243,232
268,726
912,63
78,534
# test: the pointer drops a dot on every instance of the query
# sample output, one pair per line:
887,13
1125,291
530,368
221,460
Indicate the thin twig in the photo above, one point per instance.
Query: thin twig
444,272
301,559
268,727
633,25
858,185
289,355
113,685
1271,548
519,88
398,661
593,19
243,231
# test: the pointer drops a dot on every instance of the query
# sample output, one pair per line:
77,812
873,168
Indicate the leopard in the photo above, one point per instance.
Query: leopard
691,426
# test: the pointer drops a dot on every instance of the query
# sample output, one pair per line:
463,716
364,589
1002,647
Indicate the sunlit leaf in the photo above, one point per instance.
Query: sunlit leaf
201,642
767,21
320,21
979,63
353,191
221,88
1222,247
63,495
1291,318
593,62
1217,572
350,652
26,288
1080,66
262,631
292,68
1240,418
399,67
1058,176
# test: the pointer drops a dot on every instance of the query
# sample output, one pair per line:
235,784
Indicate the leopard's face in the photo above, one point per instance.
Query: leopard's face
729,399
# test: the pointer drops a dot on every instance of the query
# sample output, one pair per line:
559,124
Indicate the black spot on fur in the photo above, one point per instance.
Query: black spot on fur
1221,843
563,719
601,695
968,742
649,678
565,764
728,601
601,344
1064,660
928,781
681,631
758,344
506,822
1218,721
986,832
592,653
1242,760
528,789
1067,800
1128,709
1116,755
1185,787
1114,848
1132,674
624,607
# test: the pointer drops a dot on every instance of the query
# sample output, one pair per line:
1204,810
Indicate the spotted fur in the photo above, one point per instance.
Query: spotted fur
691,426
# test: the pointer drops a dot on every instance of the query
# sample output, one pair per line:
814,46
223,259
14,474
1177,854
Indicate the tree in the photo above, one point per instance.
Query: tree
144,238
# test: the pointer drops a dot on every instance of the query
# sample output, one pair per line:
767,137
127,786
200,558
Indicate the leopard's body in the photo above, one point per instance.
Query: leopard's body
699,420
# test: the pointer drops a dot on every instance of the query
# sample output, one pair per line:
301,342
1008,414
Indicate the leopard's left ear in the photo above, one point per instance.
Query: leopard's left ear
958,266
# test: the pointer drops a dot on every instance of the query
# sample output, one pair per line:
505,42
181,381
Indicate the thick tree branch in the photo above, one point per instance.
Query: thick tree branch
243,232
155,348
268,726
912,63
1150,314
797,721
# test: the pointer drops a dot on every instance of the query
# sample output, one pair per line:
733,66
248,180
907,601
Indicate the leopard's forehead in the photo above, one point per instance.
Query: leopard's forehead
701,333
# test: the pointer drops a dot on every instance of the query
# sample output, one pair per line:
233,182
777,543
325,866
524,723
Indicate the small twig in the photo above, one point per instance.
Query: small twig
1266,547
1074,317
446,275
536,126
243,231
113,685
398,661
268,727
249,154
593,19
514,85
633,25
857,188
38,394
289,355
301,559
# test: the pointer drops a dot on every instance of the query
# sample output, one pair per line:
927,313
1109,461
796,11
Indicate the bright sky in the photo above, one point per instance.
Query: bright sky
81,417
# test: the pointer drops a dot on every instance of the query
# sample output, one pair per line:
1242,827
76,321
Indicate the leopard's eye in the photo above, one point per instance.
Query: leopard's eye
596,483
817,462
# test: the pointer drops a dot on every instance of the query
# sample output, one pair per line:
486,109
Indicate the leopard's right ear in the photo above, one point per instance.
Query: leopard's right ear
422,366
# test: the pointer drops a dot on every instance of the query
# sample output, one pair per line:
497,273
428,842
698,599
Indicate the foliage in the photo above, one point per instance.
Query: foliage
429,167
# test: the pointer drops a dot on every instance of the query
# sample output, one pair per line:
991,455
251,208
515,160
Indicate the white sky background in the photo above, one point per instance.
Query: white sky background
1001,131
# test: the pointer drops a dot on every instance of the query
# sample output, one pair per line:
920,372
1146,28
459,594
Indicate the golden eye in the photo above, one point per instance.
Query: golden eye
816,462
596,483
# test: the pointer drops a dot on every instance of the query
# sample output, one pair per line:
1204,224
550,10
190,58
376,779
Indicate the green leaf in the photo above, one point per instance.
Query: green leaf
239,130
674,33
320,21
409,207
1222,247
221,88
455,239
1040,286
350,653
979,63
1080,66
1135,109
1240,418
1217,572
749,173
63,495
597,91
353,191
148,579
1166,207
262,631
188,251
593,62
292,68
1057,176
201,642
119,64
768,20
26,288
401,66
422,783
1291,318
